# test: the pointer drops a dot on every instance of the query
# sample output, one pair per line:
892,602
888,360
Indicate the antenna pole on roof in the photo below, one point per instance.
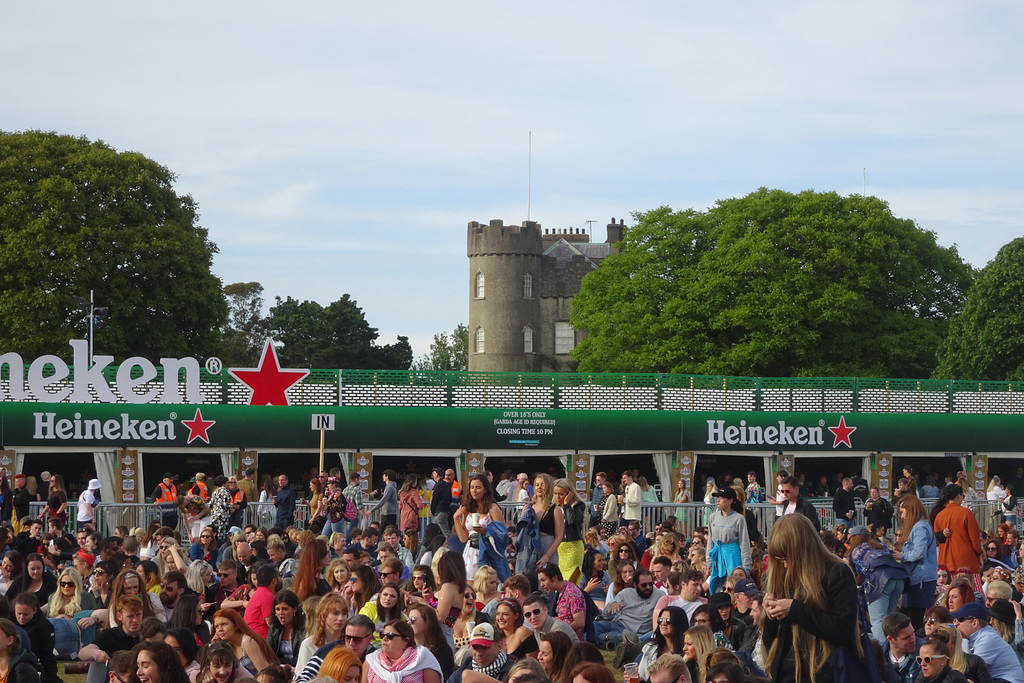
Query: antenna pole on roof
529,172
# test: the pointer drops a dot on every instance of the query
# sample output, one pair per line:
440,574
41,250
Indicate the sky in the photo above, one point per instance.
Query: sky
343,147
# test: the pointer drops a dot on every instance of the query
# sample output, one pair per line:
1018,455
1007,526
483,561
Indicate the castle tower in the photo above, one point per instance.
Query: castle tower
504,296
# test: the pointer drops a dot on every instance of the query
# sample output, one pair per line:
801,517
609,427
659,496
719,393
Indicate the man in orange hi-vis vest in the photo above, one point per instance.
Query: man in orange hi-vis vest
165,496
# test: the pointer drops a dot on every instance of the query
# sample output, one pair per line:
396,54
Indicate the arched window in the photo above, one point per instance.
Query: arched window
479,285
479,346
527,339
528,286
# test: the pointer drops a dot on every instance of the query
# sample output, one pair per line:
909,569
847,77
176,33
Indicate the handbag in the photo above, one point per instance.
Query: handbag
849,668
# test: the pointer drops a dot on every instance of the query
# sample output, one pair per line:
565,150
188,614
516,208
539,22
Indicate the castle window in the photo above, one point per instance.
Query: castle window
479,285
528,286
479,342
527,340
565,338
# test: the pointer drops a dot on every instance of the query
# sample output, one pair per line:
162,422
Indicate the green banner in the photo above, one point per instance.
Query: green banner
292,427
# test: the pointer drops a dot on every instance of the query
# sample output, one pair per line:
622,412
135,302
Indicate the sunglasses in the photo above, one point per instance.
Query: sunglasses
646,585
928,659
418,577
664,620
355,639
99,572
933,621
67,584
701,621
532,613
389,636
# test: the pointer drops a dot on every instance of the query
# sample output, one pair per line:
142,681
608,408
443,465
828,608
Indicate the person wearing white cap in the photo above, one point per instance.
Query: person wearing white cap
488,656
87,503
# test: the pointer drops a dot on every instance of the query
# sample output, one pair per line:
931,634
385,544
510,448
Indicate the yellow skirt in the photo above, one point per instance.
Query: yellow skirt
570,560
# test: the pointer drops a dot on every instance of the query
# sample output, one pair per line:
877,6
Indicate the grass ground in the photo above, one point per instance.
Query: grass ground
80,678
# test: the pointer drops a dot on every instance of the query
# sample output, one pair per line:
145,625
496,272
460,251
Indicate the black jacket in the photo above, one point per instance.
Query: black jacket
807,510
40,632
948,675
843,503
441,498
880,514
24,667
836,624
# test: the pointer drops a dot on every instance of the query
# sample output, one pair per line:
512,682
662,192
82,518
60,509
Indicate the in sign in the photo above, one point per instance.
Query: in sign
325,422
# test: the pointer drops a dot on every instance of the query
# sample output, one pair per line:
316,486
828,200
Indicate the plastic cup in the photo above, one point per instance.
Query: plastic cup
631,673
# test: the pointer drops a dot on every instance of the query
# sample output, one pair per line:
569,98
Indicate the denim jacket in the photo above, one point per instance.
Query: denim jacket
920,555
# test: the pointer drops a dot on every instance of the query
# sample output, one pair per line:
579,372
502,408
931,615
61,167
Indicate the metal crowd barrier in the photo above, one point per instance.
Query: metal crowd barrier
689,516
692,516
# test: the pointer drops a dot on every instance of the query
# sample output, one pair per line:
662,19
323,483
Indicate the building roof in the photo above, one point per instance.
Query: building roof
563,252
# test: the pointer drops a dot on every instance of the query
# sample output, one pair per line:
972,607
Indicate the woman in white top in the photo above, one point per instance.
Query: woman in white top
995,490
710,490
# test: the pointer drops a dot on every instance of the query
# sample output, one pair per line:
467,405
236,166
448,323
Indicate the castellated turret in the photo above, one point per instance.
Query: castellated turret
504,302
522,280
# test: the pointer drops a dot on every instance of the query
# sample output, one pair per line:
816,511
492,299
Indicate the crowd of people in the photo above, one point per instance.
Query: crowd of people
440,590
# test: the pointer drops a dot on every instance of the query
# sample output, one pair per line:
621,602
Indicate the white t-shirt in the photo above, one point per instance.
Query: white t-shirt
86,500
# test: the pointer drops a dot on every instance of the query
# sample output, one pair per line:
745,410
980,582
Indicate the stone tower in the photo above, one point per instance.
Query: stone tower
504,302
521,284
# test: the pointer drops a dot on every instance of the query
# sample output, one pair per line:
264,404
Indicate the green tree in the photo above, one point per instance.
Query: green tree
449,351
245,333
76,216
336,336
986,341
772,284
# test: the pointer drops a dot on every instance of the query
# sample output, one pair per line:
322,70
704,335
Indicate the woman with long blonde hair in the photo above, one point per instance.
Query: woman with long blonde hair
810,604
698,643
574,517
550,518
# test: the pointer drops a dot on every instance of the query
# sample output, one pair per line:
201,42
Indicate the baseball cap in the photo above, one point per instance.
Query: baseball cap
483,634
859,529
747,587
972,610
95,484
728,492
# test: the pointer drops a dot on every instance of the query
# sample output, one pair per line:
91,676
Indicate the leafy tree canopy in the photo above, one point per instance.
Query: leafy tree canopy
336,336
448,352
245,332
986,341
772,284
76,216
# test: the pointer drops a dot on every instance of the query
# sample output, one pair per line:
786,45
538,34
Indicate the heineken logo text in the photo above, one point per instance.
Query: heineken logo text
783,434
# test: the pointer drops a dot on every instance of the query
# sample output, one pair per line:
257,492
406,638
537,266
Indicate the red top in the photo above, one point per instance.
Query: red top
260,607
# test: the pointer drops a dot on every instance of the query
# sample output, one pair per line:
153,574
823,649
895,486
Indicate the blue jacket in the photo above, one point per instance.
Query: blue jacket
527,542
910,669
195,552
878,567
920,554
493,547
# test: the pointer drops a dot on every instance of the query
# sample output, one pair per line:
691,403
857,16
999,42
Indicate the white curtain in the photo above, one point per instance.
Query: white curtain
106,466
343,457
227,462
564,459
141,494
19,463
663,466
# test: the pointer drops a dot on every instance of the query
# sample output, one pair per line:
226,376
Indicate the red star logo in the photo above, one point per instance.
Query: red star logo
198,427
268,381
842,433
